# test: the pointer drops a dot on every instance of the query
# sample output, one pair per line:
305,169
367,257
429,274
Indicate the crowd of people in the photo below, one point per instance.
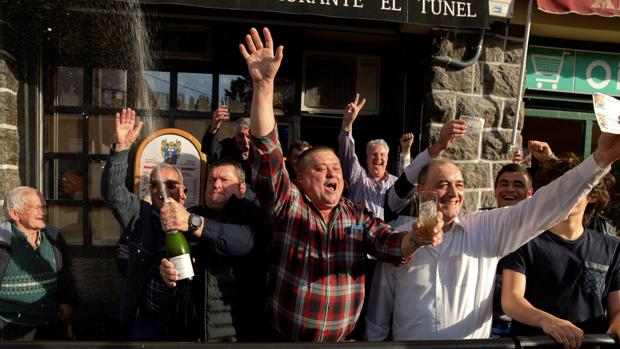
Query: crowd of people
280,254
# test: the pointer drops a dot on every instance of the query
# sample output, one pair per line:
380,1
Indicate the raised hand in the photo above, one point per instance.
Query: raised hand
450,131
127,130
220,115
350,112
541,151
607,150
262,63
406,140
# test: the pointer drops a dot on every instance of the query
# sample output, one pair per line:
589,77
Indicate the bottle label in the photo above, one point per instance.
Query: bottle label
183,266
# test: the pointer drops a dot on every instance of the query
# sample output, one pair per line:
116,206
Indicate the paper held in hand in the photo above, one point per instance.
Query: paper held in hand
607,110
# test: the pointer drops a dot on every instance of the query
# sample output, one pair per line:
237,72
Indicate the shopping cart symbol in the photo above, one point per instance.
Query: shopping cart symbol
550,67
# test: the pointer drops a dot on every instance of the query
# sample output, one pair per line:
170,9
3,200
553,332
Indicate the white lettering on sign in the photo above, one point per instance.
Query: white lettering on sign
448,8
598,63
343,3
385,5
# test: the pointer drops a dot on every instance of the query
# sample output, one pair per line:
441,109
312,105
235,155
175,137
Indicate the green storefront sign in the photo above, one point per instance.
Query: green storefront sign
564,70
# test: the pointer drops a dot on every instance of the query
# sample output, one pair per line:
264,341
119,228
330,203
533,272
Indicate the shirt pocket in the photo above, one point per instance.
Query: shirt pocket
593,280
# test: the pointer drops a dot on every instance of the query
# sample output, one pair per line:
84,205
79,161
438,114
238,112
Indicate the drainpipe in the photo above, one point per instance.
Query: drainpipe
526,41
457,63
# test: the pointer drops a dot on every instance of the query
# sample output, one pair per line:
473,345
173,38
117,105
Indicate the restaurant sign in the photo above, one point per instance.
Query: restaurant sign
450,13
565,70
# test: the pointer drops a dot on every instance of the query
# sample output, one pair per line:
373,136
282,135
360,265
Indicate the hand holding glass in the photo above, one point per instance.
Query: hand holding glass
427,213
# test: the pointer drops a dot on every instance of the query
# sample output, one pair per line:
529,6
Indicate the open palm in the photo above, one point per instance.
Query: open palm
262,63
127,129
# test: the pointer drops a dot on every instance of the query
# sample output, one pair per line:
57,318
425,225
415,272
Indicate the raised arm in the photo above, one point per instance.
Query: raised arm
406,141
210,145
351,167
263,65
516,306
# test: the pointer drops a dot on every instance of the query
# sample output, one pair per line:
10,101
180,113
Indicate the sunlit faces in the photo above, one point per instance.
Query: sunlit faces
242,139
223,182
447,180
376,161
32,216
511,188
320,178
173,187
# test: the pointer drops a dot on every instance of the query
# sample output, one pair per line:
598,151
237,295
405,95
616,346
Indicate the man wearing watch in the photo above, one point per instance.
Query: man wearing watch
227,240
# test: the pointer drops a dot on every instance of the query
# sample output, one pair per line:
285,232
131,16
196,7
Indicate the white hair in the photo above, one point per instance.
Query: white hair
374,142
16,199
242,123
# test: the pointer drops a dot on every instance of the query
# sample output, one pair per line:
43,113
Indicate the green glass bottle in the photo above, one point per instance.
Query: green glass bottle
177,250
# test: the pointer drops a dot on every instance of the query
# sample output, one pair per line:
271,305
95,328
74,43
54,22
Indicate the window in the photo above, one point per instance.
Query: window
330,81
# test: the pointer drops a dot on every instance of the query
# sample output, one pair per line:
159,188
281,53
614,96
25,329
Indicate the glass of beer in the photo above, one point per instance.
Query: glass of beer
427,211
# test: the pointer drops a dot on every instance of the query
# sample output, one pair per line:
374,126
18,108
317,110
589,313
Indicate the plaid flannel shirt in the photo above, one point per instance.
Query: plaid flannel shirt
316,272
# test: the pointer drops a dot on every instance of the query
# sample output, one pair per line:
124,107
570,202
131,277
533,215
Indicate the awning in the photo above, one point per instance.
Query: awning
606,8
449,13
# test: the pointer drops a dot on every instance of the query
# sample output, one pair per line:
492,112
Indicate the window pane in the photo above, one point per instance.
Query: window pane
69,220
101,130
94,184
64,133
154,91
109,88
105,227
65,179
196,127
194,91
69,86
236,92
283,96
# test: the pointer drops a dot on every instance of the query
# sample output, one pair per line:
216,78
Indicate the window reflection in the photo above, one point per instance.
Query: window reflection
236,92
64,133
110,88
195,127
69,220
101,130
153,90
69,86
65,179
105,228
194,91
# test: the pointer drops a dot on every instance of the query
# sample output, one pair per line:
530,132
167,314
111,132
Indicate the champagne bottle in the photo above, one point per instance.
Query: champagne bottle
177,250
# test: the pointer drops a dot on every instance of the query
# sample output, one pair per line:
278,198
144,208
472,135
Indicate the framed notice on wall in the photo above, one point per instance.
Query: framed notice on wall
178,148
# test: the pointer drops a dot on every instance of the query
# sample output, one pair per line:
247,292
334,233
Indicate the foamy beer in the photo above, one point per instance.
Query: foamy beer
427,212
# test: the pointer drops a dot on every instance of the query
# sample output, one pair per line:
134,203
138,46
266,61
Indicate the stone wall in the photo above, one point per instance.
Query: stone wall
487,89
9,139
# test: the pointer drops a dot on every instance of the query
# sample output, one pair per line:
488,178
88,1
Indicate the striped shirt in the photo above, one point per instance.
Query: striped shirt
363,187
316,272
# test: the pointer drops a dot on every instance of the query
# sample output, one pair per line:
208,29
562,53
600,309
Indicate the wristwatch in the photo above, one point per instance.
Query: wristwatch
194,222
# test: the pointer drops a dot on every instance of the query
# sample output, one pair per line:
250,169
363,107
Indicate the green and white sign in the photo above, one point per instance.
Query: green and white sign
575,71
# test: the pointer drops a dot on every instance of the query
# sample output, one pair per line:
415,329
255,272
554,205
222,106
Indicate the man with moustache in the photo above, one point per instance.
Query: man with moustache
141,246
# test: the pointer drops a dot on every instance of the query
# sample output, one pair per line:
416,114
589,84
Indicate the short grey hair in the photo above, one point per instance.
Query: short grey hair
16,199
241,124
157,169
374,142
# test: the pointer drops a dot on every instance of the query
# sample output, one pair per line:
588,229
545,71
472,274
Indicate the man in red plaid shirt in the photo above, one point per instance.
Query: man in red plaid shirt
320,239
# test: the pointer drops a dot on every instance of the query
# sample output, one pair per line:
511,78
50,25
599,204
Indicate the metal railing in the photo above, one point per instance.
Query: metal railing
591,341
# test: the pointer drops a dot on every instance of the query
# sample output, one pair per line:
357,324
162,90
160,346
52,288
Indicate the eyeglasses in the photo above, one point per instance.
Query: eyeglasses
170,186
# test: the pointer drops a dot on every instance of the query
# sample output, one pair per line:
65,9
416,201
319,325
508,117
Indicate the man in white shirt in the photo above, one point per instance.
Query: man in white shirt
446,289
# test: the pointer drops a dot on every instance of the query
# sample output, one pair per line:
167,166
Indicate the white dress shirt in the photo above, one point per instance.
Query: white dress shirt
446,292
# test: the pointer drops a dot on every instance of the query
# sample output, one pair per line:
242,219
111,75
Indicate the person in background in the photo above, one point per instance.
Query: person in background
227,296
37,289
565,282
236,147
141,246
368,186
294,153
72,185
